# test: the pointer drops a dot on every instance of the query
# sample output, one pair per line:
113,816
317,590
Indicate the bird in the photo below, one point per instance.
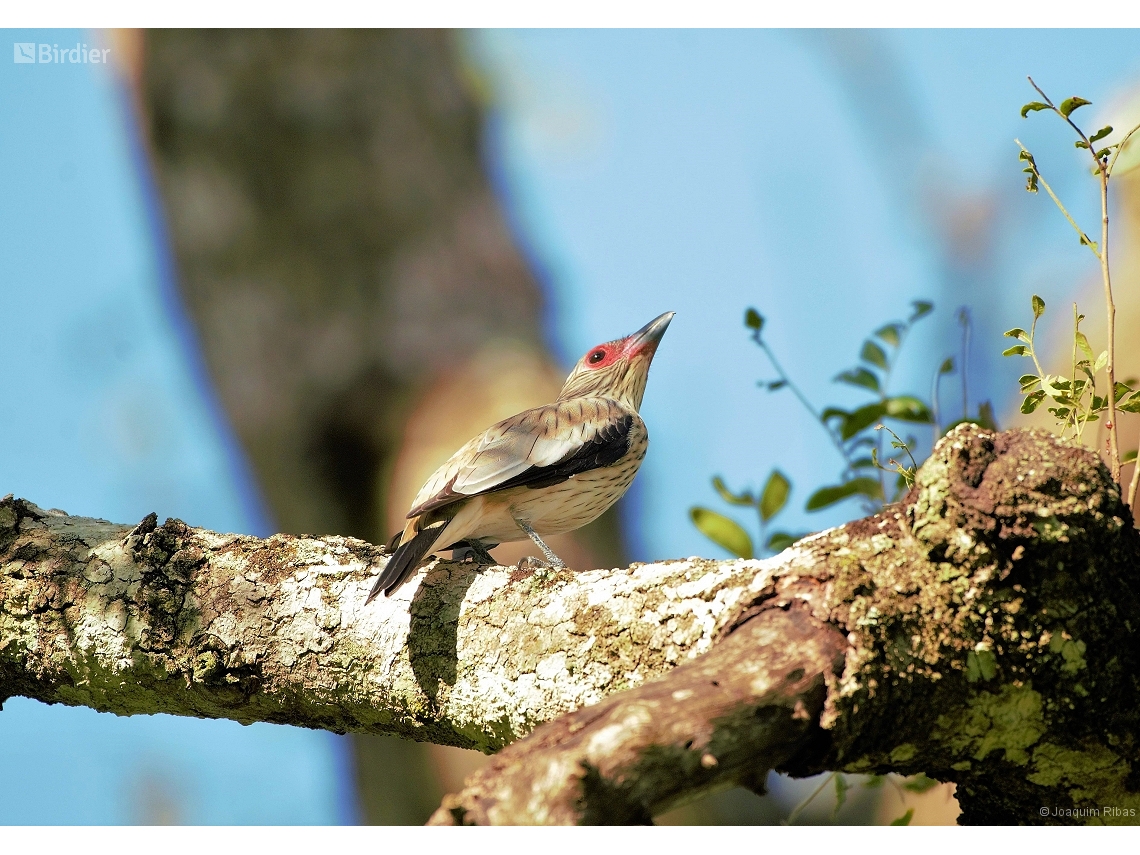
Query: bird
547,470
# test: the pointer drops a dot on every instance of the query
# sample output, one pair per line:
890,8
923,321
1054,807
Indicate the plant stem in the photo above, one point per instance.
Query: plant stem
1113,431
802,398
1132,486
1084,238
964,320
798,809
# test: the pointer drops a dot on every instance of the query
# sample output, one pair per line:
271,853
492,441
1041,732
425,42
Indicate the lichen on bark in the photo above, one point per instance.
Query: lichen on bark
180,620
989,626
983,631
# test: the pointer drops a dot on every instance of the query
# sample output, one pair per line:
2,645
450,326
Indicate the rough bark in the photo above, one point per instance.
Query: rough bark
983,632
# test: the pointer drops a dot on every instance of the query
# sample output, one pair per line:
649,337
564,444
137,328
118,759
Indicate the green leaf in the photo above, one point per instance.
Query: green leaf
874,781
775,495
1017,333
777,384
1080,144
986,416
905,818
891,334
1028,381
859,377
827,496
781,540
746,498
1129,456
920,784
1083,344
1032,107
1101,134
1038,307
1016,350
753,320
841,788
1071,104
1121,391
722,531
947,366
1047,385
1086,242
908,409
873,354
922,308
1132,405
862,418
1101,361
1032,401
863,463
833,413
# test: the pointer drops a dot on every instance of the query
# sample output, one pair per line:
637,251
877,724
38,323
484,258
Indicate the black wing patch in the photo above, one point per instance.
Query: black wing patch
607,447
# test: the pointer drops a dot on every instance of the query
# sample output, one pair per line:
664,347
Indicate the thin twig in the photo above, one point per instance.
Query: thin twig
1132,486
798,809
964,320
1113,430
1085,239
800,395
1120,147
1102,170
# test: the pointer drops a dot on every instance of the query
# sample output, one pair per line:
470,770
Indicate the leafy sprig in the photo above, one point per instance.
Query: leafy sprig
853,432
1077,398
1070,412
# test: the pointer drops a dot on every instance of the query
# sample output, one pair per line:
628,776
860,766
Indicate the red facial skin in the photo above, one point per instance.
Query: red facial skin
624,348
609,354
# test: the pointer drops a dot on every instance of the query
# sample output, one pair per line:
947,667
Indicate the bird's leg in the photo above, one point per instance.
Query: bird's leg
552,559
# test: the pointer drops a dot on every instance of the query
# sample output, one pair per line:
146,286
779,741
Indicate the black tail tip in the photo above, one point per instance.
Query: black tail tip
374,593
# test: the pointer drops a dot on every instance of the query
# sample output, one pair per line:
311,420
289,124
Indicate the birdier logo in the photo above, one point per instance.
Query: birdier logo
81,54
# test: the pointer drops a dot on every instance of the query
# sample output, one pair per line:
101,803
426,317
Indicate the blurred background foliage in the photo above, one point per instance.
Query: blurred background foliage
361,247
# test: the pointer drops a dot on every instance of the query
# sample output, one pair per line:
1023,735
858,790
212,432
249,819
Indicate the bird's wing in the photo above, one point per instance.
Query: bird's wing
536,448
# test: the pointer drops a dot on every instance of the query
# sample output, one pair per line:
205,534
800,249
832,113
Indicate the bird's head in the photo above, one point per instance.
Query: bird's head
618,369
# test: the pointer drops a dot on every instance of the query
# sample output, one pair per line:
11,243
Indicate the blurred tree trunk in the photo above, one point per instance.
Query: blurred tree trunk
339,249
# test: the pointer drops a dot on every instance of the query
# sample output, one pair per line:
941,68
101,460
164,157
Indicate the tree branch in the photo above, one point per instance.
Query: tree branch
174,619
988,629
984,631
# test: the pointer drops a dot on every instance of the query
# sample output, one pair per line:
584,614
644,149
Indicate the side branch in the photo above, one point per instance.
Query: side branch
728,717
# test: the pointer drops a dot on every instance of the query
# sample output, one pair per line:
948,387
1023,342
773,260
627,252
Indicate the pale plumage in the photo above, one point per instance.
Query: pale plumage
547,470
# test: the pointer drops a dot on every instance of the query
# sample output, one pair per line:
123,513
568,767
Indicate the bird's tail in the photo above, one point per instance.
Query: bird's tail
405,560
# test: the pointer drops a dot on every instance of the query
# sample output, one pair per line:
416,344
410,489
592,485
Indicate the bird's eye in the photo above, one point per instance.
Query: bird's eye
596,357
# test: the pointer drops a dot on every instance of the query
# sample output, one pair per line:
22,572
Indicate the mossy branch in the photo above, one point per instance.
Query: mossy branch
981,632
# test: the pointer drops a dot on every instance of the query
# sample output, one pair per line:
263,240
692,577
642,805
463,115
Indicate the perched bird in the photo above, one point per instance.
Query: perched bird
548,470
